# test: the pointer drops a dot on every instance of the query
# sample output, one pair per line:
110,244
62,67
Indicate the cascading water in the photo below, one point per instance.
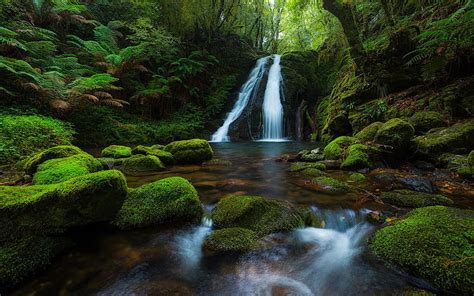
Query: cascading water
246,92
272,107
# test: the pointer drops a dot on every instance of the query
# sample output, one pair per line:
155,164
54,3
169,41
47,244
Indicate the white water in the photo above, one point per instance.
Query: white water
272,107
246,92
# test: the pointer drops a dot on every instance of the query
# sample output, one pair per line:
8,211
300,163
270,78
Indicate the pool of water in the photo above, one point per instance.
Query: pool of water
170,261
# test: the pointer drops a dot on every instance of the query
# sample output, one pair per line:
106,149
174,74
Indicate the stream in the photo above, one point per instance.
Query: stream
170,261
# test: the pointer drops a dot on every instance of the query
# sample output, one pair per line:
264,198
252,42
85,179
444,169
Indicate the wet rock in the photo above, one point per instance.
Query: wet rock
375,217
331,164
301,166
434,243
394,180
426,120
413,199
313,172
328,185
231,240
395,133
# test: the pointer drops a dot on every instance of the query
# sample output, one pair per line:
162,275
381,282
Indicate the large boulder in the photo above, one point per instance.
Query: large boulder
426,120
413,199
359,156
117,151
62,169
194,151
170,200
336,148
51,209
456,138
261,215
435,243
166,157
231,240
367,134
142,164
30,164
396,133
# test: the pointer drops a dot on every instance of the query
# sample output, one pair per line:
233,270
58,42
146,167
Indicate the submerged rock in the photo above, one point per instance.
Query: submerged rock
51,209
426,120
117,151
142,164
434,243
331,186
367,134
233,240
165,201
413,199
194,151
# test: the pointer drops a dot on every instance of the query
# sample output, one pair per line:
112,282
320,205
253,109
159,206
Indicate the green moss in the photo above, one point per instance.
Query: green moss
336,149
357,157
117,151
426,120
190,151
413,199
256,213
467,168
168,200
142,164
23,257
301,166
313,172
233,240
30,164
396,133
367,134
434,243
331,186
62,169
452,161
47,209
357,177
166,157
454,138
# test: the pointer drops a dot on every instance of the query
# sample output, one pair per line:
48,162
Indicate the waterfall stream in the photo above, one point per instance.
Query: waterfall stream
272,107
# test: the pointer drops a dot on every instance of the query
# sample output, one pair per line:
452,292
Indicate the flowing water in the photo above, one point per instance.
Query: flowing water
246,92
170,261
272,106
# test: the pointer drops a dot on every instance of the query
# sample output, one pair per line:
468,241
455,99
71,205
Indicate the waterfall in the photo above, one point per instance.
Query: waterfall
246,92
272,107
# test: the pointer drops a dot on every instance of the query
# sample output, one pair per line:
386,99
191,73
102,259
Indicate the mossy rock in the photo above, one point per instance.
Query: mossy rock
367,134
62,169
117,151
142,164
358,157
257,213
337,147
456,138
426,120
194,151
109,163
231,240
357,177
413,199
396,133
313,172
435,243
170,200
452,161
301,166
166,157
51,209
339,126
328,185
30,164
22,258
467,168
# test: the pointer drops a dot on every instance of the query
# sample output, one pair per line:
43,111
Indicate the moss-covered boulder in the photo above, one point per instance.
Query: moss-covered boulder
301,166
396,133
413,199
451,161
357,177
51,209
368,133
194,151
328,185
170,200
231,240
166,157
142,164
426,120
358,157
337,147
30,164
467,168
256,213
435,243
62,169
23,257
456,138
117,151
313,172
